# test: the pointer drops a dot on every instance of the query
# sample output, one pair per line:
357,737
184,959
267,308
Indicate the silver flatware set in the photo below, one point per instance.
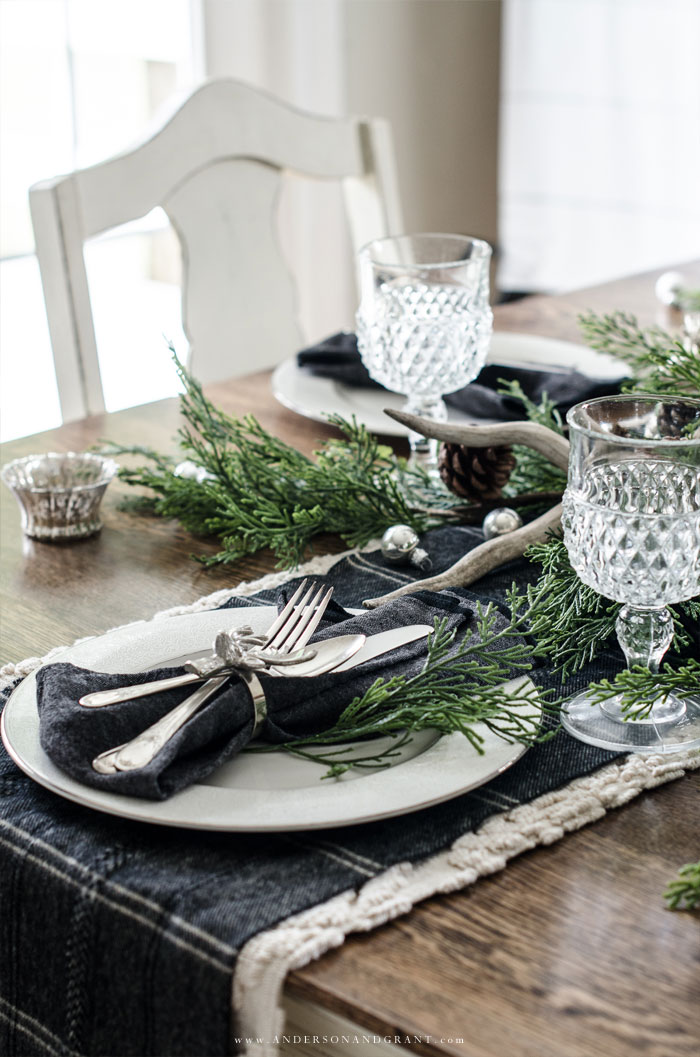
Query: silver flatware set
282,651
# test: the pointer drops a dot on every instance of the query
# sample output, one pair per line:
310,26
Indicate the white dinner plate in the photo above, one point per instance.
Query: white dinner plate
316,397
253,792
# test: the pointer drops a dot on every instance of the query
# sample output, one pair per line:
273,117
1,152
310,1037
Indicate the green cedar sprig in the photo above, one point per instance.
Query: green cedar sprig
683,893
639,688
570,622
533,472
459,688
264,493
659,363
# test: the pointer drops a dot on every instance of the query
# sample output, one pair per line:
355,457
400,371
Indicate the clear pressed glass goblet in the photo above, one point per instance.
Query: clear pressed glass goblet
424,322
632,530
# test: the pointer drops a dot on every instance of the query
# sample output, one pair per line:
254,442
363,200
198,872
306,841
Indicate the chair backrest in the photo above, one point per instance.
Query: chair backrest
215,168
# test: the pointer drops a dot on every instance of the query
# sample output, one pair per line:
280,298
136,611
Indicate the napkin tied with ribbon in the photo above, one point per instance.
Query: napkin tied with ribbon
73,735
337,358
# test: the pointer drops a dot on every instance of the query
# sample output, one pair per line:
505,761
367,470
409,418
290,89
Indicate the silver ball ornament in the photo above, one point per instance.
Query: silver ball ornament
191,471
668,287
500,522
187,470
400,547
691,331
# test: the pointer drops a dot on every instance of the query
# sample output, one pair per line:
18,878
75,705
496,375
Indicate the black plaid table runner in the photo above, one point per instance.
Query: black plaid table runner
119,937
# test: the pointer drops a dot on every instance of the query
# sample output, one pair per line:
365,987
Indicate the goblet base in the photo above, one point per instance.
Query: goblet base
672,725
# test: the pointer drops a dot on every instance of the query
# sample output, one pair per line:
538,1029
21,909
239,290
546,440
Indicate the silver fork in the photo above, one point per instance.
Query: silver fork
291,630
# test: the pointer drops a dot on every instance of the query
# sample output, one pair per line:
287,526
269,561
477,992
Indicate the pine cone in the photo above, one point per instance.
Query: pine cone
475,473
674,419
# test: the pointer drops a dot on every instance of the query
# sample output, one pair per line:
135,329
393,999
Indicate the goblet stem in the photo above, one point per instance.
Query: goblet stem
645,635
424,450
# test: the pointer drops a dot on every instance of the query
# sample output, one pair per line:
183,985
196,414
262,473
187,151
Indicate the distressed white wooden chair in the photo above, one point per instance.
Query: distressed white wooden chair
215,168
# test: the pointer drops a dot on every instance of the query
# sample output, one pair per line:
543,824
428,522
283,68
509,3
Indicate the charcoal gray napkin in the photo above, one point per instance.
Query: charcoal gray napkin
72,735
337,357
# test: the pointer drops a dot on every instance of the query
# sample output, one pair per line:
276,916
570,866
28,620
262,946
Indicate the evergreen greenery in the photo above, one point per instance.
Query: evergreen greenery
533,472
683,893
256,491
259,492
659,363
459,687
262,492
638,688
570,622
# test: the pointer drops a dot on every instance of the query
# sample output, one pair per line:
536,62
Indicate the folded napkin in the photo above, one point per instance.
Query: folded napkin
73,735
337,358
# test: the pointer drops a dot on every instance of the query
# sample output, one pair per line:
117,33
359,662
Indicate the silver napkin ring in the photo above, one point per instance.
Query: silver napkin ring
257,695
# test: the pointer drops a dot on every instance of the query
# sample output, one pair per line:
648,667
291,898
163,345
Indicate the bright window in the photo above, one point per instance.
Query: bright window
79,80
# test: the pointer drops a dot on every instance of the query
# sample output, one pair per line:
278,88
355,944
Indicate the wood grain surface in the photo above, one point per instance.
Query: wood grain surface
53,593
569,952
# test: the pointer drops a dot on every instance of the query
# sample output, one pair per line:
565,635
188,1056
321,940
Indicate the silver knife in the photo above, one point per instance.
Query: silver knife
374,646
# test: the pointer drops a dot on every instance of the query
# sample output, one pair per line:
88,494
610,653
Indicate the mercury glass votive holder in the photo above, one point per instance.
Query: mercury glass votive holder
59,494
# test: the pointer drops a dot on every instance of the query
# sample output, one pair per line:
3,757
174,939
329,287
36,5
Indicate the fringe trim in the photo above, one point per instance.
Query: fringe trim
266,959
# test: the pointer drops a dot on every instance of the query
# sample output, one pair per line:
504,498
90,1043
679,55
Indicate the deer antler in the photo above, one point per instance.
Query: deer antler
494,552
548,443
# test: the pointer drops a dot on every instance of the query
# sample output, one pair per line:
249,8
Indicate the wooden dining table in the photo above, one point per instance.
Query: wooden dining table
570,951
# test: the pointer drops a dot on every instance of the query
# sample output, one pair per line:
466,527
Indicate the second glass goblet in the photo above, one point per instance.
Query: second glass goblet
424,322
632,530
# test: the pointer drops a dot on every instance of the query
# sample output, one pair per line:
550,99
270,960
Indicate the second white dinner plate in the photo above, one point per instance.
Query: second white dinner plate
316,397
253,792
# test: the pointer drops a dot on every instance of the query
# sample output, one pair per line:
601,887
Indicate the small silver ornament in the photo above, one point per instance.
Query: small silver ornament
186,469
191,471
668,287
400,547
501,521
691,331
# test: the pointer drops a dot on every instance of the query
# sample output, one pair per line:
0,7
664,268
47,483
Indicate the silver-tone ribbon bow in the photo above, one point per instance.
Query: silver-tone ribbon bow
241,650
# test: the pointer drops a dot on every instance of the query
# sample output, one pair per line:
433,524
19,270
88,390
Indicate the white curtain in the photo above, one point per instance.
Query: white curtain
293,49
430,66
600,139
